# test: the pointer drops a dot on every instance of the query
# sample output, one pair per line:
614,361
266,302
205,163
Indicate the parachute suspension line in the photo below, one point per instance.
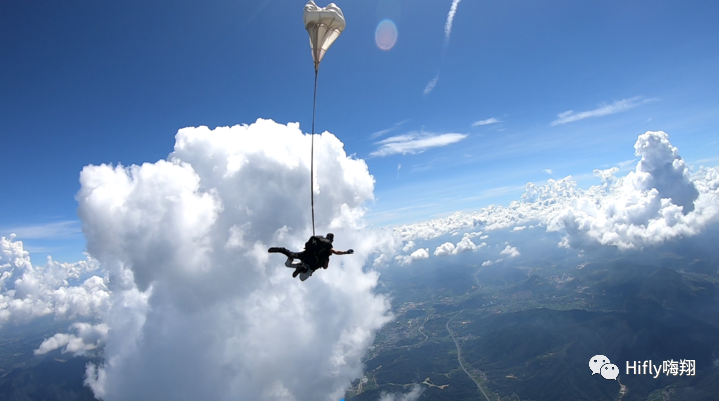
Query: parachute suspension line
312,158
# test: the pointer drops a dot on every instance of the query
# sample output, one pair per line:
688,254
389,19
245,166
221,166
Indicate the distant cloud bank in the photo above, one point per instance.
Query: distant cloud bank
660,200
28,292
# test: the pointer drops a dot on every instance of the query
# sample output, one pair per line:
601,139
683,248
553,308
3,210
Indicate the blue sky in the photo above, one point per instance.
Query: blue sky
99,82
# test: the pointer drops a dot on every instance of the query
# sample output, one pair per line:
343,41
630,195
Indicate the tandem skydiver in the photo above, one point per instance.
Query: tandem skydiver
316,255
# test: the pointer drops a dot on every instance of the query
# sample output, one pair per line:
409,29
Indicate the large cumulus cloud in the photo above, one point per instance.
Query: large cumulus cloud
199,309
659,201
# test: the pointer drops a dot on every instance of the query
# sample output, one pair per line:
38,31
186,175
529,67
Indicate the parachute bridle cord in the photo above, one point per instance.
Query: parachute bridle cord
312,157
323,25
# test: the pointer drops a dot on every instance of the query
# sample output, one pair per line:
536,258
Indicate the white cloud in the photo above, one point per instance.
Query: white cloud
510,251
548,171
412,395
408,246
658,201
490,262
445,249
464,245
486,122
28,292
419,254
519,228
381,260
197,303
60,229
430,85
604,110
88,337
415,142
447,31
450,20
387,130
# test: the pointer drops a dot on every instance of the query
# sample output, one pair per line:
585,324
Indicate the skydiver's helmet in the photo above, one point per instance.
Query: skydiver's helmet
330,237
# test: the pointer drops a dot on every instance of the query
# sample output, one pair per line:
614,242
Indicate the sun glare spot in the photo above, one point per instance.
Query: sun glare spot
385,35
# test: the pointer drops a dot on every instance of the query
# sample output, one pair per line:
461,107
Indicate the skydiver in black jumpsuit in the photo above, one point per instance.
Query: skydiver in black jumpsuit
316,255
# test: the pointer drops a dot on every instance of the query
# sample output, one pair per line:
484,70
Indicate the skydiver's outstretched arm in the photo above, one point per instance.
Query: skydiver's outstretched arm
336,252
347,252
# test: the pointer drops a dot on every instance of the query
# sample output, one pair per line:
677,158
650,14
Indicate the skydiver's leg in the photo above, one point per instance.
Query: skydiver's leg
300,267
305,275
284,251
303,269
291,265
291,256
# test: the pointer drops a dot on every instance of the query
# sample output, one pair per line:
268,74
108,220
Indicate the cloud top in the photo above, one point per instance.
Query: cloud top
662,168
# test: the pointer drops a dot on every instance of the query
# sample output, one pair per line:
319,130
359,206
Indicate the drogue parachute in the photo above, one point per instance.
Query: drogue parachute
324,26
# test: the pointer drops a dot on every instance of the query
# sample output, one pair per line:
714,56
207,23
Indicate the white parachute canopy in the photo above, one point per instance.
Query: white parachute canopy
324,26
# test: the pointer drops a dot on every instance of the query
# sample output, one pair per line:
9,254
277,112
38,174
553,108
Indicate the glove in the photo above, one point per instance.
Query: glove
350,251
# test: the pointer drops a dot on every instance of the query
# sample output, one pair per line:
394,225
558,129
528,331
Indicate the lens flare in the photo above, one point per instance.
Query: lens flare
385,35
